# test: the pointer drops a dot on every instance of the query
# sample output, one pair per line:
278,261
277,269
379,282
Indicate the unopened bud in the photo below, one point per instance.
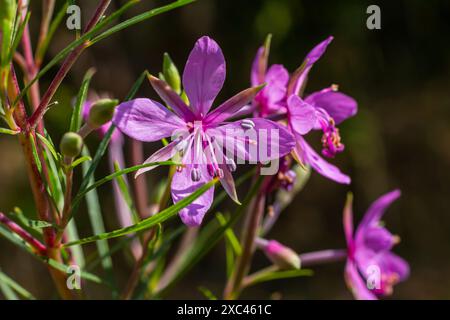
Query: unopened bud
171,74
281,256
71,144
102,111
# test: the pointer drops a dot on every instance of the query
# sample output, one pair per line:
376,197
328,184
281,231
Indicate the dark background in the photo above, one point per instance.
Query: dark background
400,138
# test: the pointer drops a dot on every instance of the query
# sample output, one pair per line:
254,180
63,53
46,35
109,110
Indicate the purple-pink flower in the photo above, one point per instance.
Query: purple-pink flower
321,110
372,269
199,135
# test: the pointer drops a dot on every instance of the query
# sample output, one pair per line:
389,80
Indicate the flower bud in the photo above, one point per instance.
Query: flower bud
101,112
281,256
171,74
71,144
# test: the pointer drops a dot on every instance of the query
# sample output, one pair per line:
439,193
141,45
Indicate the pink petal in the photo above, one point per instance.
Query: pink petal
171,98
146,120
276,80
338,105
227,182
268,140
309,156
377,209
182,186
356,283
257,73
378,239
271,98
230,107
392,263
204,74
302,116
311,58
163,154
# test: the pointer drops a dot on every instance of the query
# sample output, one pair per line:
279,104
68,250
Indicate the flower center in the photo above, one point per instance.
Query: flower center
331,139
388,281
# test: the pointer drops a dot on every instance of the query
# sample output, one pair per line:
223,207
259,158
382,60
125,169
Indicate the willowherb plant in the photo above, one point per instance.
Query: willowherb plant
263,125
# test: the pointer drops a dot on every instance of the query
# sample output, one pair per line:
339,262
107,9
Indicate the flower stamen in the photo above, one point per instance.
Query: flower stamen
331,139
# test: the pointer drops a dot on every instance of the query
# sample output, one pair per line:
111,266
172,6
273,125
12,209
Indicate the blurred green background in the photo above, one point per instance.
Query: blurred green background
400,138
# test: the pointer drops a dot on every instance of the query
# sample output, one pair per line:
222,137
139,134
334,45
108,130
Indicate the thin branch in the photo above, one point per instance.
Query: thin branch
66,66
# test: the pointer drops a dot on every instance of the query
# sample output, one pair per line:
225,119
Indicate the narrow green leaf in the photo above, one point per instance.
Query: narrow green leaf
24,221
6,281
9,131
124,190
55,179
136,85
50,146
166,243
151,221
114,175
39,167
77,251
6,290
95,161
207,293
207,239
98,226
223,195
141,17
76,119
35,153
79,161
158,258
64,268
104,143
232,245
231,237
276,275
40,50
85,37
18,36
6,38
15,239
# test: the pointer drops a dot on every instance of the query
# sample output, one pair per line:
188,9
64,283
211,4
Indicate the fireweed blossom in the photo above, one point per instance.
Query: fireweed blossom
372,269
199,135
321,110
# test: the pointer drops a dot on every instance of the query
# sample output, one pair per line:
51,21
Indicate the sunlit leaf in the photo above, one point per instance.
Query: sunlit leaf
76,119
98,226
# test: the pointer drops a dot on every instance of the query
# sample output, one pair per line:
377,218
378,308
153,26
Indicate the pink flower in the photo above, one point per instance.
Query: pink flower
321,110
372,269
200,134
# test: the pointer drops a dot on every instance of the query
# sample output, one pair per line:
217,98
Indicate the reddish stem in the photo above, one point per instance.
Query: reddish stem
66,66
27,237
